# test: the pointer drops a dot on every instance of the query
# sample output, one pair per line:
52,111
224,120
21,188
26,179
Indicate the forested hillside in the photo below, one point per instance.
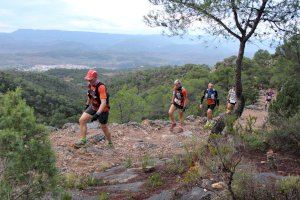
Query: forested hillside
55,102
58,95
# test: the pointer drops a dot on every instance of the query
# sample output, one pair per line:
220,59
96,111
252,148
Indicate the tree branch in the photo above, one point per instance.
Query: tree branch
237,23
249,18
257,19
195,6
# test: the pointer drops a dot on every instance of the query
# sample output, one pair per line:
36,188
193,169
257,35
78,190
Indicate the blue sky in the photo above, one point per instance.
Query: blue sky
111,16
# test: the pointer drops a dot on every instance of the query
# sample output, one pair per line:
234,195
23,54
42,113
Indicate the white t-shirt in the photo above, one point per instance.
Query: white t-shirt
232,96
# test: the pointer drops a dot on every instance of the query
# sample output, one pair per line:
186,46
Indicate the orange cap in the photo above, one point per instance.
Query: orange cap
91,74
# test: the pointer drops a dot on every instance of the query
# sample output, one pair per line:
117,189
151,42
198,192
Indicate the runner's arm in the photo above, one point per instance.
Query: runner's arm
173,96
102,106
103,97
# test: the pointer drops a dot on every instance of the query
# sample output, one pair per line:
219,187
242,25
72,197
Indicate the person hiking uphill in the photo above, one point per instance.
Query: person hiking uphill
97,108
211,96
268,98
231,100
179,101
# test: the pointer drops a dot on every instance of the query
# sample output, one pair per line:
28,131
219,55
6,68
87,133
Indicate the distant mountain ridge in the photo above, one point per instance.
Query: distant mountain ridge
32,47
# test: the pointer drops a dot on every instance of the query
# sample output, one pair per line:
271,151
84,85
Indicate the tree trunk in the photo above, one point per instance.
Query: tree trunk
221,120
238,80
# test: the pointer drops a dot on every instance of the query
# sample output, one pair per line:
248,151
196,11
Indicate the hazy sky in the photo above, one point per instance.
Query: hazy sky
112,16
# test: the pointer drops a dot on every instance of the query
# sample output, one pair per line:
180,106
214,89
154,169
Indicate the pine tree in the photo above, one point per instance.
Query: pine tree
27,163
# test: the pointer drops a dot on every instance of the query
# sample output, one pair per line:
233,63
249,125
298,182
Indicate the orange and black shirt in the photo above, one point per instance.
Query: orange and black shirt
96,93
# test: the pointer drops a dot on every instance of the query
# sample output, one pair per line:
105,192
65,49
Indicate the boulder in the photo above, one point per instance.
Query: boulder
190,118
219,185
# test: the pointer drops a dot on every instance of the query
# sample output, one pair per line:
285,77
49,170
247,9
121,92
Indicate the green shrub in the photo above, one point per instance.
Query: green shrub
250,122
286,138
155,180
25,151
255,141
246,186
289,187
69,181
194,174
147,161
287,102
103,196
128,162
176,166
72,181
66,196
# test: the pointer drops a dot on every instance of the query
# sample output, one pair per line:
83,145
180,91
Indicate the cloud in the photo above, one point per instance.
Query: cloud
6,27
121,15
5,12
116,16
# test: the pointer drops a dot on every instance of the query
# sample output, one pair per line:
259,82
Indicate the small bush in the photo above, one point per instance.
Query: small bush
246,186
255,141
103,196
176,166
91,181
69,181
155,180
66,196
194,174
147,161
193,151
289,187
128,162
72,181
230,124
250,122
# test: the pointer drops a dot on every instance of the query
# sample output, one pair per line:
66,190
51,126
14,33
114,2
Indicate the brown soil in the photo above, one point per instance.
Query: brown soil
285,164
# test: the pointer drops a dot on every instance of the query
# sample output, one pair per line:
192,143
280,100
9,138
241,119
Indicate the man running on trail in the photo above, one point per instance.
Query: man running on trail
179,101
268,98
231,100
211,96
97,108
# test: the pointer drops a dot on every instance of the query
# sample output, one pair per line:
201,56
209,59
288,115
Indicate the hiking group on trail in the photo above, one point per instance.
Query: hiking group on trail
97,106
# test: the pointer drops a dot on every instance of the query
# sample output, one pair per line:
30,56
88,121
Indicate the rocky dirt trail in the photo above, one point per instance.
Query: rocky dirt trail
151,141
257,111
135,144
131,141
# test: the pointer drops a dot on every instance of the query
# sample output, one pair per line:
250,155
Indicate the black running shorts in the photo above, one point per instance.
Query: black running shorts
103,118
212,106
178,106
